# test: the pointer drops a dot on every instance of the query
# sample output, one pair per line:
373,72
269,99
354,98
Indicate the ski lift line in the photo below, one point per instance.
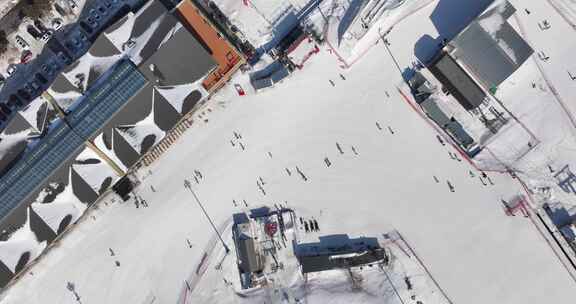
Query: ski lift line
425,268
392,284
562,14
533,221
361,55
199,270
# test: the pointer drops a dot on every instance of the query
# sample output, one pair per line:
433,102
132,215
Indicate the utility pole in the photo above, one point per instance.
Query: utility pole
188,185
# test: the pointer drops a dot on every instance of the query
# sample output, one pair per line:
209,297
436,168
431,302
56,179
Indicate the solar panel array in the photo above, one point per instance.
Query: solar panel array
97,106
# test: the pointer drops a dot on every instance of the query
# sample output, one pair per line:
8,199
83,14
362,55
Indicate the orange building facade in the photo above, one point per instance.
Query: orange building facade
226,56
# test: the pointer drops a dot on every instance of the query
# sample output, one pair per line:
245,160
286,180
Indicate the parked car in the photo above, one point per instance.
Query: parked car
22,43
46,36
11,69
57,24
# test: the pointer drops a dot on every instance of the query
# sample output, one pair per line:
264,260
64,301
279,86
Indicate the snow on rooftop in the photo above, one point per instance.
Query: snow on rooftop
121,35
144,131
64,204
94,170
36,113
140,42
86,70
104,147
65,99
10,141
492,22
176,95
21,241
138,46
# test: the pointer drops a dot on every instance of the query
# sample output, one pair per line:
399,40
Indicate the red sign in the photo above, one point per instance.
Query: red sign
271,228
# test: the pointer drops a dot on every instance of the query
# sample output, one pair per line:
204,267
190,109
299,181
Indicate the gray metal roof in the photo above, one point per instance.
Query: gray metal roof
492,50
180,60
456,81
152,22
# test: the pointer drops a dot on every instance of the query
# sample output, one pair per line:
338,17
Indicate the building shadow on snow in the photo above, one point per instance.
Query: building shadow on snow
449,17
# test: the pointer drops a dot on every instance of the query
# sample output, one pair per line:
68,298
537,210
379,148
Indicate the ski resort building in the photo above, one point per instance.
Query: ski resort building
468,71
456,81
490,48
481,57
259,238
226,56
248,251
124,88
66,45
338,252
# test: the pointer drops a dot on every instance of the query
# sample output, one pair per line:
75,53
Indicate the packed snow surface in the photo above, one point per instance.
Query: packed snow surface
388,171
464,237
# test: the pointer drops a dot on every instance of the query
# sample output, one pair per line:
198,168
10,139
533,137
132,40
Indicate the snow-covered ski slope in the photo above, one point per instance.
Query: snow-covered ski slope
475,252
478,254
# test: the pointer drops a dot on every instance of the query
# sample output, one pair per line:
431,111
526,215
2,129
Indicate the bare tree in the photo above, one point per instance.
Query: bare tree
36,8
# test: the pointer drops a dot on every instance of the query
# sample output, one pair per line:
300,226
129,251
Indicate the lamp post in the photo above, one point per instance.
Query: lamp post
188,185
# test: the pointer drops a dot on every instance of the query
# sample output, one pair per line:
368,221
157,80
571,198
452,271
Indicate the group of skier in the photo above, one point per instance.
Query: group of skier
310,225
